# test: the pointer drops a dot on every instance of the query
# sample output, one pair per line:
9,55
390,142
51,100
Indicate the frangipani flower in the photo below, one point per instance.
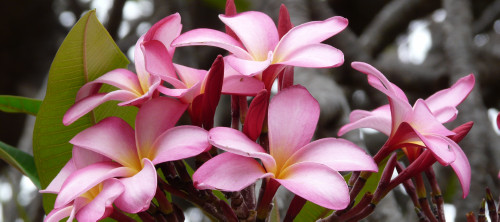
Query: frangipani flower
134,154
92,205
307,169
419,126
258,45
133,89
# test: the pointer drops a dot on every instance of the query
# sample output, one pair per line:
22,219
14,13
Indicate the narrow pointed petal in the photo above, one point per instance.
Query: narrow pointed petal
255,30
379,81
338,154
212,90
157,60
316,183
378,119
86,178
230,10
228,172
56,183
312,56
139,189
451,96
300,36
120,78
249,67
241,85
179,143
256,115
425,122
284,23
154,118
102,205
461,131
57,215
462,168
236,142
113,138
210,37
165,31
87,104
292,119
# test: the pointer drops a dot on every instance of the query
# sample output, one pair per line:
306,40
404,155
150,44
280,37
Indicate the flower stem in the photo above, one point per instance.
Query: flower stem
264,204
294,209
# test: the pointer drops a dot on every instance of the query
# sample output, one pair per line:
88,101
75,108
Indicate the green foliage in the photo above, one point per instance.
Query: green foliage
18,104
20,160
87,53
241,5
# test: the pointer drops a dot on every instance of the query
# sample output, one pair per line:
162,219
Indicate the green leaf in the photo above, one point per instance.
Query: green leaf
19,104
86,53
20,160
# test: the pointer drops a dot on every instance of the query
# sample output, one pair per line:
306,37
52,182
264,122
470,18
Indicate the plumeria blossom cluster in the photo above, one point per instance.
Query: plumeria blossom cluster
118,169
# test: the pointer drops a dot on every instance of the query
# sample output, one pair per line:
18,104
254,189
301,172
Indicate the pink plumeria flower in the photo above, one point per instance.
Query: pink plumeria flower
258,45
134,154
133,90
93,204
308,169
420,125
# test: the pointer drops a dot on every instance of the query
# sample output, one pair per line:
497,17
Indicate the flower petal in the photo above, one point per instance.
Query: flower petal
316,183
236,142
190,76
83,157
179,143
338,154
120,78
379,81
157,60
86,178
378,119
301,35
154,118
228,172
58,181
57,214
249,67
165,31
292,119
312,56
212,37
102,205
139,189
462,168
87,104
241,85
113,138
425,122
256,31
451,96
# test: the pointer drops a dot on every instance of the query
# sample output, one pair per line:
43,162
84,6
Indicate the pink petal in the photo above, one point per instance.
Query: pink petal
379,81
461,131
249,67
256,115
310,33
165,31
424,122
379,119
86,178
255,30
228,172
445,114
316,183
113,138
190,76
338,154
462,168
211,89
139,189
292,119
210,37
57,182
120,78
154,118
236,142
229,11
87,104
179,143
157,60
241,85
57,214
140,66
284,23
312,56
102,205
451,96
83,157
